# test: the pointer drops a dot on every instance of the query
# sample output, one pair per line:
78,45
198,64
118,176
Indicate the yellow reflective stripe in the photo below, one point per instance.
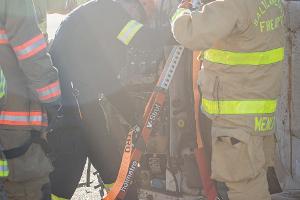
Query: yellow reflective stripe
235,58
239,107
129,31
179,12
4,171
2,84
109,186
54,197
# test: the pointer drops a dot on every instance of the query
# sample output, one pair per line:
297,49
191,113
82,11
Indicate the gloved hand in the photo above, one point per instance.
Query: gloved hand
183,8
187,4
53,113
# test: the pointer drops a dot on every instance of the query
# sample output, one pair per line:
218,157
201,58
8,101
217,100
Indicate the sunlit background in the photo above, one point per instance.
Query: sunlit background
54,21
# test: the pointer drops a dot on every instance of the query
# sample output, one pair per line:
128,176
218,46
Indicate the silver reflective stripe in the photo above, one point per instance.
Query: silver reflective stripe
3,36
49,92
20,118
129,31
30,48
13,118
35,118
54,197
3,168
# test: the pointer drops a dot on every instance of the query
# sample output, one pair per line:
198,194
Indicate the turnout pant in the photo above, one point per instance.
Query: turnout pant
242,164
27,190
74,141
28,175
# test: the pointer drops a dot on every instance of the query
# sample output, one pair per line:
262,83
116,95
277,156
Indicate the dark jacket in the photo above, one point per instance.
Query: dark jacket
91,47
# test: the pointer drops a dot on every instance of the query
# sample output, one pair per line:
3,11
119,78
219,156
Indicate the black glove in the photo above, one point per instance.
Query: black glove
54,114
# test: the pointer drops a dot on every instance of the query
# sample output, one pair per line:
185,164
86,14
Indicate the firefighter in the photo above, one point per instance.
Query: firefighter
90,50
42,7
31,102
242,44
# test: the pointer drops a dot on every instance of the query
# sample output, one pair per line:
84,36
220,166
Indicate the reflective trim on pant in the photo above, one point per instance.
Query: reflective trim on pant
54,197
4,171
108,186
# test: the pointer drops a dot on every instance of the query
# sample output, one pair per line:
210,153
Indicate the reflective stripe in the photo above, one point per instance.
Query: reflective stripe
236,58
239,107
54,197
109,186
179,12
2,84
3,37
129,31
49,92
31,47
22,118
4,171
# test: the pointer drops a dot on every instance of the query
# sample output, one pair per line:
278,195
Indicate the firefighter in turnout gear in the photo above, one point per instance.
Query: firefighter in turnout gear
242,44
90,59
42,7
31,101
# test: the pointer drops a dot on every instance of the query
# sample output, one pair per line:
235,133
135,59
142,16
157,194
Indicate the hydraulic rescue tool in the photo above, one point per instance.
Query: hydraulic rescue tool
132,156
133,151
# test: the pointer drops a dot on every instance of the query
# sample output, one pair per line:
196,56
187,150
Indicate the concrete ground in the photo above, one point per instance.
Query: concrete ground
84,192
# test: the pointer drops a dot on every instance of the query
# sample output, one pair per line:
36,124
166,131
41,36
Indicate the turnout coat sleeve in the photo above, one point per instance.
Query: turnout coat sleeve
149,38
30,48
201,29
